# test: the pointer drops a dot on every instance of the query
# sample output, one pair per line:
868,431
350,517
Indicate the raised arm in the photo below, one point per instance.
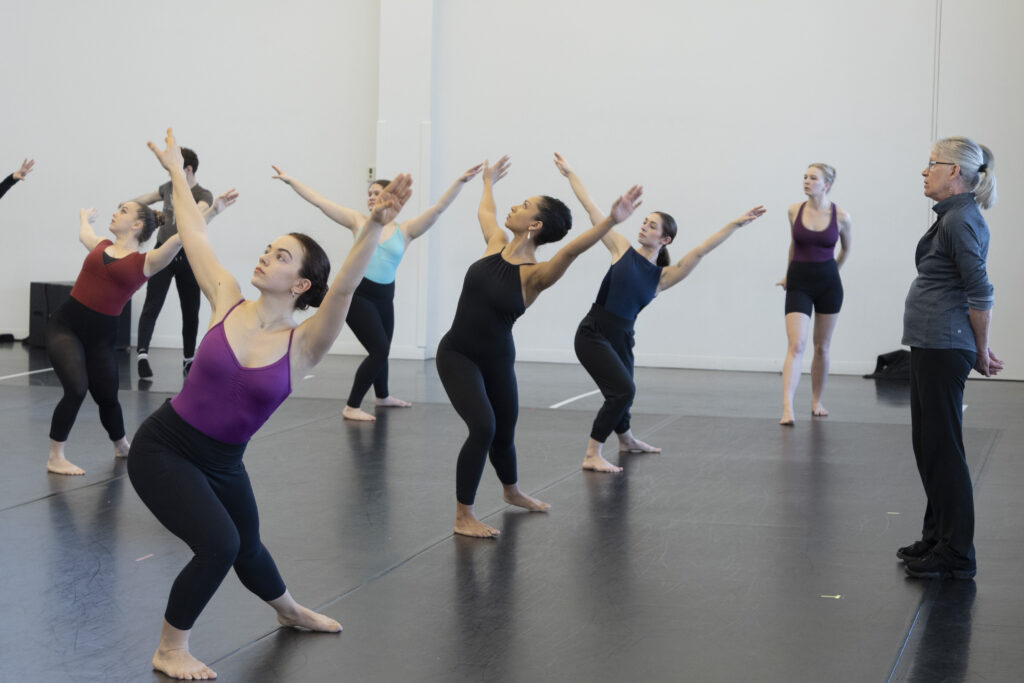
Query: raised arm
673,274
217,284
10,181
419,225
148,198
494,234
845,240
350,218
313,338
616,243
86,235
157,259
543,275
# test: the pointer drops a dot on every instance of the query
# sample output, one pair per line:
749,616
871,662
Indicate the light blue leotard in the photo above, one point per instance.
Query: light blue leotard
386,258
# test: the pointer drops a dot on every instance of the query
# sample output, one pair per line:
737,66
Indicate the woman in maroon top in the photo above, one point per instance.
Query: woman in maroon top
812,284
81,334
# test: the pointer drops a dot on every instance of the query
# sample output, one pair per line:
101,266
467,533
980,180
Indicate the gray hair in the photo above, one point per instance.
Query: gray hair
828,171
975,162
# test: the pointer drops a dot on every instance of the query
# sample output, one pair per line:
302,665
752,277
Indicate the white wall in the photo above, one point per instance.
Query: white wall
714,107
85,85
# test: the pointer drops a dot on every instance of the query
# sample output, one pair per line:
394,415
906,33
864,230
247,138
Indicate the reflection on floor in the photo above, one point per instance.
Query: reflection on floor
744,551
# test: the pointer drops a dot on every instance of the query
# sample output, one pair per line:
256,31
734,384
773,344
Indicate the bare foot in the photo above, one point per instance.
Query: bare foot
121,448
466,523
180,664
513,496
818,410
392,402
350,413
304,618
631,444
596,463
62,465
787,417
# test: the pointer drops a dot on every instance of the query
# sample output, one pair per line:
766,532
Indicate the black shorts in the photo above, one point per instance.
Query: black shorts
813,286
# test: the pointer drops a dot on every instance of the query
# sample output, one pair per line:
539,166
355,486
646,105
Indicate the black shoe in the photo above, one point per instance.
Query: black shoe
914,551
145,372
942,563
186,365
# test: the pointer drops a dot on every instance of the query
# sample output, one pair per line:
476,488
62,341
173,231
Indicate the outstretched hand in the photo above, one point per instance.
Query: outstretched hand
225,200
170,157
471,173
87,215
26,168
493,174
281,175
625,205
751,215
392,199
563,166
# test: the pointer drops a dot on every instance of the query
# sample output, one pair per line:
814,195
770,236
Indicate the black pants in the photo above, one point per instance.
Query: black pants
484,393
937,378
80,343
371,317
198,488
604,345
188,294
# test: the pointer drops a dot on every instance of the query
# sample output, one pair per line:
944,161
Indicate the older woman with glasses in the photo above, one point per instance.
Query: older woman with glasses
945,324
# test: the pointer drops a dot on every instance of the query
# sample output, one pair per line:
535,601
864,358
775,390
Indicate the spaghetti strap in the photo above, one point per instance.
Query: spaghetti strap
291,334
221,321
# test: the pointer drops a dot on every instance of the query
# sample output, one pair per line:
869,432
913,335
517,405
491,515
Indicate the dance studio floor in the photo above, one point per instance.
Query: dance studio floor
743,552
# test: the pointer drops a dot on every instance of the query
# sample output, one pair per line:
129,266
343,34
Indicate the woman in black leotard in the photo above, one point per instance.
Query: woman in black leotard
604,340
9,182
475,360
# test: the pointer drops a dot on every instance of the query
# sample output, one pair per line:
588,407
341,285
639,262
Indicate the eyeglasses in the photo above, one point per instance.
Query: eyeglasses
941,163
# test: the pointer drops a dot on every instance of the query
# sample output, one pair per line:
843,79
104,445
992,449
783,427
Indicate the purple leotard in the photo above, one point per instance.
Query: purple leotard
226,400
814,246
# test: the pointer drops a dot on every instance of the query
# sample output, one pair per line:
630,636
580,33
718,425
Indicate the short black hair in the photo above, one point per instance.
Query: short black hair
190,159
555,218
316,267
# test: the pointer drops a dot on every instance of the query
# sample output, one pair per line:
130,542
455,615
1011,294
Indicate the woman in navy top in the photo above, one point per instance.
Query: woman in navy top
9,182
604,339
812,284
946,324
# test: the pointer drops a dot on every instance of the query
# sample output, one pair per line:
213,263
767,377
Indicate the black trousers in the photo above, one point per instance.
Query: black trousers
937,378
197,487
80,343
188,294
371,317
604,346
484,392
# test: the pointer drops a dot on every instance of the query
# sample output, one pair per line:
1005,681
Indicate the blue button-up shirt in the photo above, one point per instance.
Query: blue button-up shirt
951,278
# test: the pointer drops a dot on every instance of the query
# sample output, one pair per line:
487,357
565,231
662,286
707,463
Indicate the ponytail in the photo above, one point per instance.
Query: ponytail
976,163
668,229
986,190
663,257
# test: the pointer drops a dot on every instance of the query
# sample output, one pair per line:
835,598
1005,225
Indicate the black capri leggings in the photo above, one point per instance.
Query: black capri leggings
180,271
80,343
813,285
484,393
372,318
604,345
198,488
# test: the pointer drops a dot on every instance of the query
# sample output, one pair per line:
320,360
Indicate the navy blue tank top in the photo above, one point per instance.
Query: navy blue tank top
490,303
630,284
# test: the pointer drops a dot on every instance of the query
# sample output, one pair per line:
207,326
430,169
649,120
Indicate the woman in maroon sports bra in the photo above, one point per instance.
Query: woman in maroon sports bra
812,284
186,459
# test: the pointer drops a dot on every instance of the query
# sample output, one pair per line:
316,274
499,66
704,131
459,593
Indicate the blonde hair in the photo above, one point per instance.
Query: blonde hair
975,162
828,171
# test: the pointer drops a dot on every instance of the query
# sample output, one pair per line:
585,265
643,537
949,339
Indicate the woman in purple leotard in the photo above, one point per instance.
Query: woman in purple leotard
186,459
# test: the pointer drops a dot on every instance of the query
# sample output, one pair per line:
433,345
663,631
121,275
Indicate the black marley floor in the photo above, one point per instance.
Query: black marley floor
743,552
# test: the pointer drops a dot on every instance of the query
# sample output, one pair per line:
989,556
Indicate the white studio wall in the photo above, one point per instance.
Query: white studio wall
714,108
246,85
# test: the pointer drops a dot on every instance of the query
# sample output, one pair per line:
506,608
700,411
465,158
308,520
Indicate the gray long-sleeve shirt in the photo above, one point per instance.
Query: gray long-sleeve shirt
951,278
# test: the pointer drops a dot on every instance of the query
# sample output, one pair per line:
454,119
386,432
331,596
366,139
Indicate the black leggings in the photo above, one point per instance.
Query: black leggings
484,393
198,488
937,378
188,294
604,345
80,343
371,317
